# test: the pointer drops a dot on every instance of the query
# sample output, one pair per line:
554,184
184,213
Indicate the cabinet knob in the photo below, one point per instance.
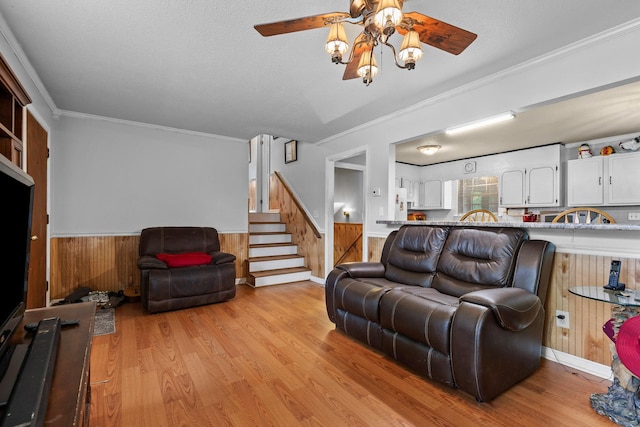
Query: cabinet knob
34,237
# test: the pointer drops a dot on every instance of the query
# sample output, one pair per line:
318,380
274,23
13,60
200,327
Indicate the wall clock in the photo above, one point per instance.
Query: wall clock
469,167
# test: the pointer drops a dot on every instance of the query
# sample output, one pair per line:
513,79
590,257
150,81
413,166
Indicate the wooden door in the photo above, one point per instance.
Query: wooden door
37,158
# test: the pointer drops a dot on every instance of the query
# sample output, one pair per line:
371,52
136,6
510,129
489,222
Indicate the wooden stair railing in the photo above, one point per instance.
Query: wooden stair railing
298,204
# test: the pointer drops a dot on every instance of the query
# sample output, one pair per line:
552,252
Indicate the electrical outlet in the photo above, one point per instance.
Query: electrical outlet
564,322
634,216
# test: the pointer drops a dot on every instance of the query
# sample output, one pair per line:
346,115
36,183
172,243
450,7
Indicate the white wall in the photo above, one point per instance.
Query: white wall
116,178
306,175
348,190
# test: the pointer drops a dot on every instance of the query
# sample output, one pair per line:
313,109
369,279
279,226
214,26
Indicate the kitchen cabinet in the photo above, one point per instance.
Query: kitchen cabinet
604,180
412,186
437,194
13,100
530,187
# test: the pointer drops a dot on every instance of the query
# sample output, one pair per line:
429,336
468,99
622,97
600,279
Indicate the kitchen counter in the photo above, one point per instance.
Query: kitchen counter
529,225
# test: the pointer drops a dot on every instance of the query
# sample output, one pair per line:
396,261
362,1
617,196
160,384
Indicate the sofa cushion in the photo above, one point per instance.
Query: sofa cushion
186,259
362,296
421,314
413,256
475,259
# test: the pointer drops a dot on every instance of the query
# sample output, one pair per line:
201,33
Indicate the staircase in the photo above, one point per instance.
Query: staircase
273,259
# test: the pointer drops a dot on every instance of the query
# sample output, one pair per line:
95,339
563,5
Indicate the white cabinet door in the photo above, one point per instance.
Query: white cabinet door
415,192
512,188
542,186
433,194
624,179
585,182
437,194
407,184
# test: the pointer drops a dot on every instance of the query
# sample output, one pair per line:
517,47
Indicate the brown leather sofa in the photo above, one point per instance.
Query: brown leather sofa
462,305
166,288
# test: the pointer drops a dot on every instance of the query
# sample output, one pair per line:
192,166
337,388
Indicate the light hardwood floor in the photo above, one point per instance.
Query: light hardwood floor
271,357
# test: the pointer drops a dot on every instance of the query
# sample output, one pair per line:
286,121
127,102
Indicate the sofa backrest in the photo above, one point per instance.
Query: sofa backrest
413,255
475,258
156,240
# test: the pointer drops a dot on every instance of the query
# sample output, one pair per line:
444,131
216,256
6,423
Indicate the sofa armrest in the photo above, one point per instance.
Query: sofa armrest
363,269
514,308
149,262
219,257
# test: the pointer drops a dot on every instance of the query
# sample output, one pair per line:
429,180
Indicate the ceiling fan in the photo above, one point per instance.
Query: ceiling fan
380,19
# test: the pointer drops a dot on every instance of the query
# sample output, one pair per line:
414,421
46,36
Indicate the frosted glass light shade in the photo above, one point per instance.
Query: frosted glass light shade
337,39
410,50
428,149
389,12
367,65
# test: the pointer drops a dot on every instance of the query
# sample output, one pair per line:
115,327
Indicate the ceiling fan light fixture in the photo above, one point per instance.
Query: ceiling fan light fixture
429,150
336,44
410,50
388,16
367,67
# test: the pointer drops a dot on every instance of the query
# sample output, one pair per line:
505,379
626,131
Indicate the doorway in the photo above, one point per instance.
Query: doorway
37,167
346,209
259,167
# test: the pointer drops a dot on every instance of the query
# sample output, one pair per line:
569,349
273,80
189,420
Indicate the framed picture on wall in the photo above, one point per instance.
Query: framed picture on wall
290,151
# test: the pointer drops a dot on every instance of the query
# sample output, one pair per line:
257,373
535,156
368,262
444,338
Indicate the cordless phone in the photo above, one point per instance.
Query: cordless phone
614,276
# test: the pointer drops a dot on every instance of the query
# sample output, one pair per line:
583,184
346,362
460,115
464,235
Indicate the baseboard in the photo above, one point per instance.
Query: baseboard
593,368
316,279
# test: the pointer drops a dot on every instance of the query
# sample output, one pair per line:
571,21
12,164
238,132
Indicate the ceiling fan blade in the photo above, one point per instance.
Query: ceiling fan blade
437,33
361,44
299,24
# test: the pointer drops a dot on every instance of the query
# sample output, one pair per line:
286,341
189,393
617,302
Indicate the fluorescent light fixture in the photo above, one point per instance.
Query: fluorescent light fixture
481,123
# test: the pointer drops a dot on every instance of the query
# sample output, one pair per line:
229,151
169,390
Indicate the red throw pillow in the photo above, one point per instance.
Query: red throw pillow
185,259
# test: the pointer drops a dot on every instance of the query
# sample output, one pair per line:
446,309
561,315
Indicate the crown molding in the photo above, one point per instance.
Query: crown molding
77,115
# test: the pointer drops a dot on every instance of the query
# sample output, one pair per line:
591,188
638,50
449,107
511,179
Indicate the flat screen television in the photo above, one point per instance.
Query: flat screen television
16,205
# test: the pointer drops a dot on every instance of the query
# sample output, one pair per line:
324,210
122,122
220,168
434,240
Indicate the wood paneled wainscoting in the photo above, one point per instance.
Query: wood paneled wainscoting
310,242
108,263
584,338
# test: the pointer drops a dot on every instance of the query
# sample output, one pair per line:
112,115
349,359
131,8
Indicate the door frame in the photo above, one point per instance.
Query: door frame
330,165
45,126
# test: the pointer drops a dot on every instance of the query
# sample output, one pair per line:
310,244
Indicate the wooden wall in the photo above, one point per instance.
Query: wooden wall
347,242
108,263
584,338
302,233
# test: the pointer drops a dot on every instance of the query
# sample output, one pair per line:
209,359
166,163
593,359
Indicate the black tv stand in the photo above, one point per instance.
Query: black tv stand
27,404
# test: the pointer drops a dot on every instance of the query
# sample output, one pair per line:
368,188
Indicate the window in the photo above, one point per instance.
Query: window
478,193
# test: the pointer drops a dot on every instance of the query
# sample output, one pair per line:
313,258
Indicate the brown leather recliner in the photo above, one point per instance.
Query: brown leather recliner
166,288
462,305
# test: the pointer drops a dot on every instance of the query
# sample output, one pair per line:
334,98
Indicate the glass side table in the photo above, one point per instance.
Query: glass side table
624,298
621,404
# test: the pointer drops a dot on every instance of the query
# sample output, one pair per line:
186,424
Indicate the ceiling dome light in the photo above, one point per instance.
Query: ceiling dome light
367,67
388,16
429,150
410,50
336,42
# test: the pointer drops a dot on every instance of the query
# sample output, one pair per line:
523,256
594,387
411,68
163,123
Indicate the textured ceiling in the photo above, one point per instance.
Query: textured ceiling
200,66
